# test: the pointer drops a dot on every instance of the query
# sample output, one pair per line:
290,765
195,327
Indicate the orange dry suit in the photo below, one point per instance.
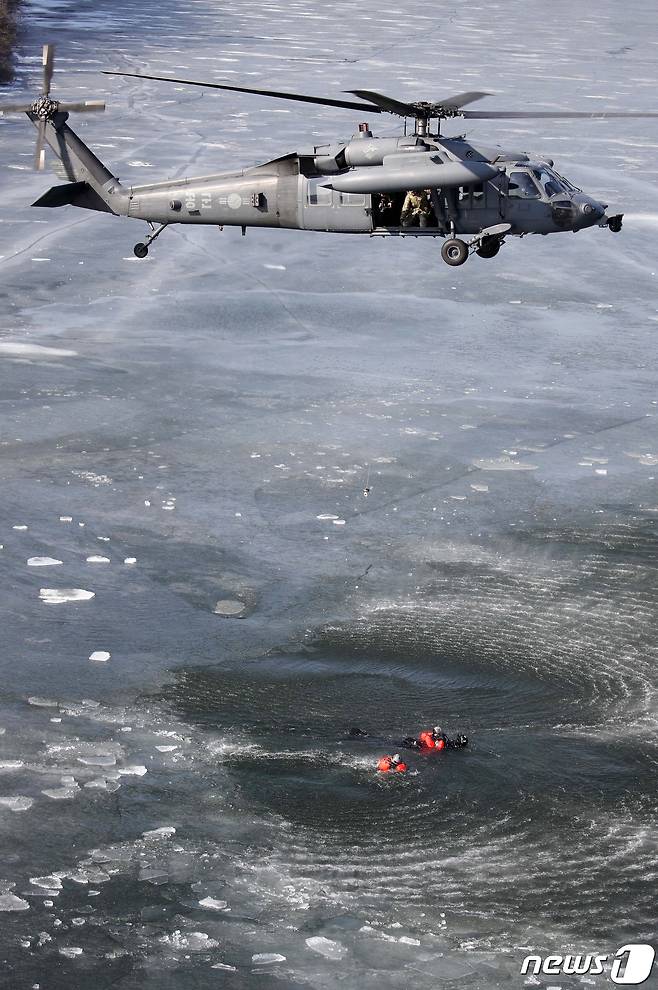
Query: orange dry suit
426,740
386,764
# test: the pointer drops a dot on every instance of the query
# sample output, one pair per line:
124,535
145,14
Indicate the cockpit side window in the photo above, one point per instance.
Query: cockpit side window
522,187
548,181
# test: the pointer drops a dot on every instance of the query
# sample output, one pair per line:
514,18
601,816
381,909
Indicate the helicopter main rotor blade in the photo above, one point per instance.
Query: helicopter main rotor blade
83,106
40,150
14,107
48,59
461,99
421,109
555,114
385,102
258,92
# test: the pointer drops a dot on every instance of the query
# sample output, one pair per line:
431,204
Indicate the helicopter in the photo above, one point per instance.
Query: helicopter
421,184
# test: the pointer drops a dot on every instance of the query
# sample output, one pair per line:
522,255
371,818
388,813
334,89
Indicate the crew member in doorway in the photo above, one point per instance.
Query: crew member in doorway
417,209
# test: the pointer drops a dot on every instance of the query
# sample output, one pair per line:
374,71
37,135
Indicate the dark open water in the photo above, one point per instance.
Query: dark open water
202,411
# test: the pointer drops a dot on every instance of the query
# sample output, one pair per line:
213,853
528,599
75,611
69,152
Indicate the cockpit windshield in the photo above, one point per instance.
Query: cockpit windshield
548,181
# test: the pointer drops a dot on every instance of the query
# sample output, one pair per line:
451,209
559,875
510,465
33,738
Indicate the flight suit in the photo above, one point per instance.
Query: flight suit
416,209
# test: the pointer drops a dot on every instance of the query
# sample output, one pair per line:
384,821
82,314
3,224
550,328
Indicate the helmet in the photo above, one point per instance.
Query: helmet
437,729
396,757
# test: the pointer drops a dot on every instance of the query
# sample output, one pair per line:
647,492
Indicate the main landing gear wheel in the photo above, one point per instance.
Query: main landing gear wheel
488,248
454,252
140,250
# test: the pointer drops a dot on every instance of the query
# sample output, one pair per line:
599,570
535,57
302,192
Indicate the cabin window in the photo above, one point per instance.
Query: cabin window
352,199
318,195
522,187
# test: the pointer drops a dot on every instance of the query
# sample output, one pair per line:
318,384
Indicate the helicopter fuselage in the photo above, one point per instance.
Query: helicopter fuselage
405,186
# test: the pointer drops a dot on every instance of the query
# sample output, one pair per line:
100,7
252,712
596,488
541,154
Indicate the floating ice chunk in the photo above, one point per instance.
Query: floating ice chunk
98,760
326,947
230,607
130,560
338,522
600,470
166,749
42,561
17,803
10,902
71,951
133,771
503,464
66,518
213,904
57,596
267,958
97,558
192,941
164,832
102,784
326,516
61,793
101,656
20,527
41,702
9,765
407,940
480,488
17,349
231,969
50,882
276,268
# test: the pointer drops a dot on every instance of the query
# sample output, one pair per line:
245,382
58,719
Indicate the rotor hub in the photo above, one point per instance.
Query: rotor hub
44,108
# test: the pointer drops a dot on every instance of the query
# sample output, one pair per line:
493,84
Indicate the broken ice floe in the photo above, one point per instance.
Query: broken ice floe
191,941
16,349
503,464
213,904
16,803
326,947
20,527
57,596
61,793
42,561
10,902
164,832
100,656
97,558
230,607
51,882
267,958
130,560
8,765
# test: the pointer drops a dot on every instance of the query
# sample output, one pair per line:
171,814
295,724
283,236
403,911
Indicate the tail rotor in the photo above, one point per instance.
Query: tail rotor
44,108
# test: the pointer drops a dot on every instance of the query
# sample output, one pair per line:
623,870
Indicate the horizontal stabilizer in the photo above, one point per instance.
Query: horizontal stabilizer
73,194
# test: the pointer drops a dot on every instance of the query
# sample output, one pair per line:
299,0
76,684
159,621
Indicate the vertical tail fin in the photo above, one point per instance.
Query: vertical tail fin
78,164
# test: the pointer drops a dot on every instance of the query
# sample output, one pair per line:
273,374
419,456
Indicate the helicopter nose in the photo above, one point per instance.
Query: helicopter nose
590,211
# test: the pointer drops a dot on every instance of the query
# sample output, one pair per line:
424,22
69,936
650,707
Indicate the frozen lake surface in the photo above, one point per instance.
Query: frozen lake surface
198,603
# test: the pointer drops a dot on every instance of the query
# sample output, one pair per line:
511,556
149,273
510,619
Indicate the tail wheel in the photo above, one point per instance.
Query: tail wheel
488,248
454,252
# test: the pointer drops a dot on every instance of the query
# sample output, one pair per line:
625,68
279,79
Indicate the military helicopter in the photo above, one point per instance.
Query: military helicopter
421,184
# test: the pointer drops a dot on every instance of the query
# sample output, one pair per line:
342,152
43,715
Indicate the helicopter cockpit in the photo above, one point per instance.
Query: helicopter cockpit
528,180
